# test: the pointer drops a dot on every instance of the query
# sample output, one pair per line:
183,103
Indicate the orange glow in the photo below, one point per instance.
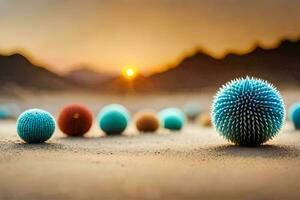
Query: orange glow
149,34
130,72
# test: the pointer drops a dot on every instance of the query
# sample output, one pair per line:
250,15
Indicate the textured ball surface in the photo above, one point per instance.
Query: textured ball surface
248,111
172,118
147,121
113,119
294,115
35,126
75,120
192,110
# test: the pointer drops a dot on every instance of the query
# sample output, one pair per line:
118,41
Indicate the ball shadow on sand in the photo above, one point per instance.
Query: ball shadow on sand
96,139
132,137
100,137
263,151
38,146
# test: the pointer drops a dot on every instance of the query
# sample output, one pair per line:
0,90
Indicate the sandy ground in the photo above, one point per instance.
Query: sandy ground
195,163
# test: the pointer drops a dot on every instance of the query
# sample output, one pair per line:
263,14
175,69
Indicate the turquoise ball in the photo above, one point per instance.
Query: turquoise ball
4,112
35,125
291,110
192,110
9,111
172,118
113,119
294,115
248,111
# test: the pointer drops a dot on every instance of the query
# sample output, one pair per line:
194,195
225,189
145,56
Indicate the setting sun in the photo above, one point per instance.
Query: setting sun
130,72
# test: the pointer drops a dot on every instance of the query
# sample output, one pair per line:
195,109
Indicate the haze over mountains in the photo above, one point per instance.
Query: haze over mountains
280,65
88,78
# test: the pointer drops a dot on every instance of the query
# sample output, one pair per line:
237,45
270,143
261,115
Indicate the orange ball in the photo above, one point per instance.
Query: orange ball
147,121
75,120
205,120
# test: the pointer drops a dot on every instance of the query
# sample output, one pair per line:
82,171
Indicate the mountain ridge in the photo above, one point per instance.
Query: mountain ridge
17,71
279,65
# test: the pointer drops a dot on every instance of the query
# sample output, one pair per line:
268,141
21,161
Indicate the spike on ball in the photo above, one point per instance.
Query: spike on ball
75,120
35,126
248,111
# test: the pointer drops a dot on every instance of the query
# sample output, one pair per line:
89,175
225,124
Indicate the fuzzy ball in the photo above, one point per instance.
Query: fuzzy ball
294,115
248,111
75,120
192,110
172,118
35,126
147,121
204,120
113,119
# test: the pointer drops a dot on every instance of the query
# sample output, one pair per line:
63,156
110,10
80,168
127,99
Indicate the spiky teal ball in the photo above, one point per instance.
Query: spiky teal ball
172,118
248,111
294,115
35,126
113,119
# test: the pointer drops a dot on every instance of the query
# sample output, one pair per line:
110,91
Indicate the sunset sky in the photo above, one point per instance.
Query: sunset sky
107,35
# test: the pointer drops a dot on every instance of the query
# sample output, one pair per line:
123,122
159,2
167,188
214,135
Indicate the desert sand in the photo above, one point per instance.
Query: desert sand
195,163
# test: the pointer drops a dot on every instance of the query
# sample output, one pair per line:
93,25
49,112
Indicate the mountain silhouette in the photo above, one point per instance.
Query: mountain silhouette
18,71
279,65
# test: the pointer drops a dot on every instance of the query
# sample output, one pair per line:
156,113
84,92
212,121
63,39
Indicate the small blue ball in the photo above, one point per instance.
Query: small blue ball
117,107
192,110
35,126
172,118
4,112
292,108
248,111
113,119
9,111
294,115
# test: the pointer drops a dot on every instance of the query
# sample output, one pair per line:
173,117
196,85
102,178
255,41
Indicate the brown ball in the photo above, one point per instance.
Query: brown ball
75,120
204,120
147,122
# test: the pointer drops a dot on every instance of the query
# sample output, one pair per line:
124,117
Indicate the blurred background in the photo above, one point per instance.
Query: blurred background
142,53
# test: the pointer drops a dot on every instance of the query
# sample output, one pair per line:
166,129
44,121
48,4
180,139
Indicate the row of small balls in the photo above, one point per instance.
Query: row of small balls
37,125
246,111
